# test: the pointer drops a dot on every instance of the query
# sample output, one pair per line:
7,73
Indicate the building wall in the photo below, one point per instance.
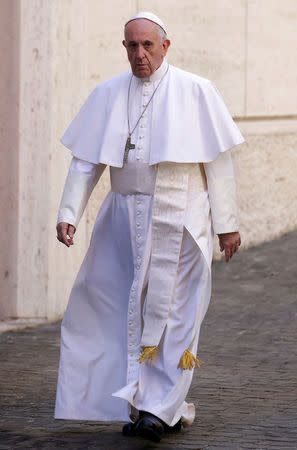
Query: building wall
60,50
9,140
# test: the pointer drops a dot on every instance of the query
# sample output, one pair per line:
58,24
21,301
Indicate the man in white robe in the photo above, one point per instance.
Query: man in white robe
130,332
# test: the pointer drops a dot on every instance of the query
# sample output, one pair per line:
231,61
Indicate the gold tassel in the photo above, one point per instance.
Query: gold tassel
147,354
188,361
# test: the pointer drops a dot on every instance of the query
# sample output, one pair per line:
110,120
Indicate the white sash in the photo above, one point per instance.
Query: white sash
168,218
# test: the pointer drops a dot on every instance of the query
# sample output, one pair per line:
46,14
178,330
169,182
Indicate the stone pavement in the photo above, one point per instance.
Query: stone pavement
245,392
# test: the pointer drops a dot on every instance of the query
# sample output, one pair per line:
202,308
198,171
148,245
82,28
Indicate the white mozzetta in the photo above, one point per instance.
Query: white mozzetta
99,131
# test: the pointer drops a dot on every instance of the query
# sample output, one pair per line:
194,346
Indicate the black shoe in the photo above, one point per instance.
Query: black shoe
149,427
167,429
175,429
129,429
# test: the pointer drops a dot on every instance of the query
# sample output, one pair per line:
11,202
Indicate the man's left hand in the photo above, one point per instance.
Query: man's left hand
229,242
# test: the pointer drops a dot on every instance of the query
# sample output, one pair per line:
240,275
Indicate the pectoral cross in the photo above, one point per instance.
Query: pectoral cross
128,147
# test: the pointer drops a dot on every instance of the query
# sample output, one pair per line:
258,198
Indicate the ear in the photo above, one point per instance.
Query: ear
166,45
124,43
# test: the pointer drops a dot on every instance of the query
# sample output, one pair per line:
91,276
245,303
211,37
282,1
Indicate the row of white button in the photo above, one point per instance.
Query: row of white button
134,332
147,87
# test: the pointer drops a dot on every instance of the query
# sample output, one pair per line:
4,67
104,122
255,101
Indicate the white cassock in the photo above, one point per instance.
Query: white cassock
112,307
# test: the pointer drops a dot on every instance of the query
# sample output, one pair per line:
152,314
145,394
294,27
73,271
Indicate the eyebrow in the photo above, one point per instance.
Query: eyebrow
147,41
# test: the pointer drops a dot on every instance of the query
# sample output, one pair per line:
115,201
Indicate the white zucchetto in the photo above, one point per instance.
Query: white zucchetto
149,16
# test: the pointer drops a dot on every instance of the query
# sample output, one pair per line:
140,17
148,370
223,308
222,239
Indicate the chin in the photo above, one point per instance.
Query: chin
142,73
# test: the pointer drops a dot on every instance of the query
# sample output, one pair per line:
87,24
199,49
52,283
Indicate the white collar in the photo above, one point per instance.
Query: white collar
157,75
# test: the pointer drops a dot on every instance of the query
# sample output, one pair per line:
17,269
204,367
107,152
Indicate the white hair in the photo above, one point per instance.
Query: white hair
162,33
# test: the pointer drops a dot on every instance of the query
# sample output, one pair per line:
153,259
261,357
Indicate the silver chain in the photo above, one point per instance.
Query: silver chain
146,106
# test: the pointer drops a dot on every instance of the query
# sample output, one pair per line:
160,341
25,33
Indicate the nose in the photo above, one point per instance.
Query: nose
139,52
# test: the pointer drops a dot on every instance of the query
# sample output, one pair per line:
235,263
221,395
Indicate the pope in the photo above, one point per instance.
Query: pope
130,332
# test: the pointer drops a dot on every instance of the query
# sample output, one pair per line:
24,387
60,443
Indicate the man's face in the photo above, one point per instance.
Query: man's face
144,47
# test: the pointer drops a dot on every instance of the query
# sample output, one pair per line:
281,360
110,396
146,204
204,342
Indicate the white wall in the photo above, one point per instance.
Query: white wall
59,50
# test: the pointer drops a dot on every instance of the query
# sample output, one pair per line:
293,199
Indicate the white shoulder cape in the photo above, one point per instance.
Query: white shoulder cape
190,122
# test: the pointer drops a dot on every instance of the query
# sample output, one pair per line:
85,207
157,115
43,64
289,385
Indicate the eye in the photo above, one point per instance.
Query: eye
132,45
148,44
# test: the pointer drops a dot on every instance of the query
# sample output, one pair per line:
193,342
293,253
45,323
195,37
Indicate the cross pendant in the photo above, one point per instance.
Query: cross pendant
128,147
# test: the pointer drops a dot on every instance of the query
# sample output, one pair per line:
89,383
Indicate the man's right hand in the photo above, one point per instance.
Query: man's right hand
65,233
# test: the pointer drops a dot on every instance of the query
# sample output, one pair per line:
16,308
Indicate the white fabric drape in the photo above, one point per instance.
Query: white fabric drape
102,326
189,120
103,323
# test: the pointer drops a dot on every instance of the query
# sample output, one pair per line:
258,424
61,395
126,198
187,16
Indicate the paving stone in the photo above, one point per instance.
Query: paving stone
245,392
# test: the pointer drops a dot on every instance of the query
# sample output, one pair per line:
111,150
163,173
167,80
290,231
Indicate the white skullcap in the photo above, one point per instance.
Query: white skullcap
149,16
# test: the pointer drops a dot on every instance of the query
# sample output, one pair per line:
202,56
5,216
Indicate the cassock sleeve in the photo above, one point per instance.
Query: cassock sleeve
222,193
81,179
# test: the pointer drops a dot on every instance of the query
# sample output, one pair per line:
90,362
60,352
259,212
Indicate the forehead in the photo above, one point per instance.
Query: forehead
141,29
